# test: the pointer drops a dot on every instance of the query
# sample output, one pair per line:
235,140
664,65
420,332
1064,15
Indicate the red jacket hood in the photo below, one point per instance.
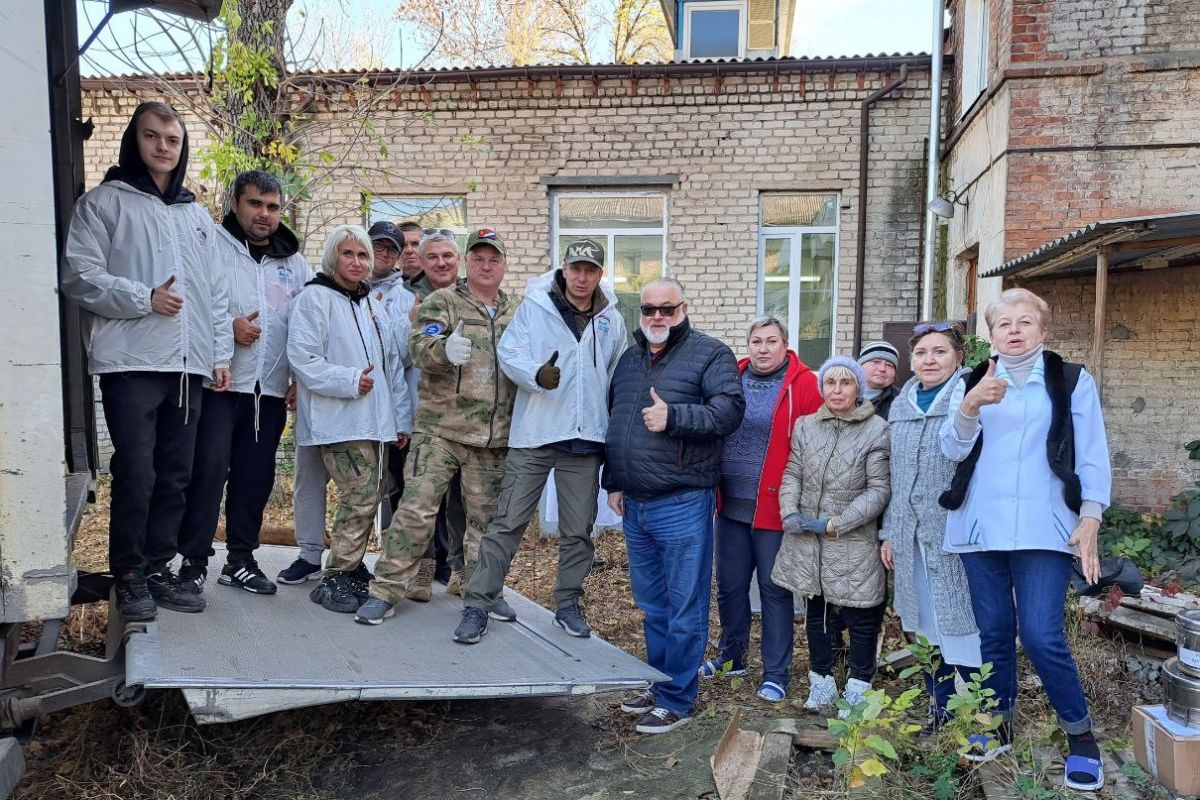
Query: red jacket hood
795,367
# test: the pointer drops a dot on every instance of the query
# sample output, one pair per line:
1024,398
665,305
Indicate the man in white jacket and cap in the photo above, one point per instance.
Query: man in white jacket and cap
240,429
560,351
139,260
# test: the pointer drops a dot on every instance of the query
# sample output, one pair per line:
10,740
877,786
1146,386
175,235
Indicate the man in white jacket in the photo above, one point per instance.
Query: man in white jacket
240,429
560,351
139,260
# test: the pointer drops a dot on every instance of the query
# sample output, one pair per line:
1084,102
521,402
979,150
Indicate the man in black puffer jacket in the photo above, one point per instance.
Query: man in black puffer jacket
672,400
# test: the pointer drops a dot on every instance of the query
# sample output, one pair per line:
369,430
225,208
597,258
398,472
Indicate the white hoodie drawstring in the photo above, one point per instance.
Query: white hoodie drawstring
185,397
257,406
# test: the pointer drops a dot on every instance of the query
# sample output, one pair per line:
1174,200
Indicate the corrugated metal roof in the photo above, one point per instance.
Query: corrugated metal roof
1160,240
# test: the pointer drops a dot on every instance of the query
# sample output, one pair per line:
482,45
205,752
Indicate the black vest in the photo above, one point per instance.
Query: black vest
1061,378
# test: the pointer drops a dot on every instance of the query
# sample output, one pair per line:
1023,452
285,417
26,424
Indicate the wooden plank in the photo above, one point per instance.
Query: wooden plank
1153,601
812,735
1130,620
1098,322
898,659
735,761
770,779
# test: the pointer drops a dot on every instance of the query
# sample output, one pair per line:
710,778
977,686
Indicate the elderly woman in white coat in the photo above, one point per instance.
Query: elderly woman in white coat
1027,496
931,598
351,400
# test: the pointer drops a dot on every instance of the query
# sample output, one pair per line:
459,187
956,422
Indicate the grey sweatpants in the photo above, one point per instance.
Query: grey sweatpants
308,503
577,480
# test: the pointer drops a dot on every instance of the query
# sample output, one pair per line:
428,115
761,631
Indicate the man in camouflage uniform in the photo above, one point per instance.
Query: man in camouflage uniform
461,423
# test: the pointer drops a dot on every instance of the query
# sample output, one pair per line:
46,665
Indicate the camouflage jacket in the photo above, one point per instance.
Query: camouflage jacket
471,404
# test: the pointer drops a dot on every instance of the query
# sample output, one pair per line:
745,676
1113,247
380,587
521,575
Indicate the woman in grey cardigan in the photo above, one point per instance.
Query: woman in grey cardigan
932,597
834,488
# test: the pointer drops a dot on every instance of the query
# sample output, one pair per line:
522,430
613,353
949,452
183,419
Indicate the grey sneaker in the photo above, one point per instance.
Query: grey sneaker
660,720
639,703
570,619
502,611
374,611
473,626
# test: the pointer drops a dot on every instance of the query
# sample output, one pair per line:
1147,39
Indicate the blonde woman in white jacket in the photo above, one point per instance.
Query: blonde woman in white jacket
351,400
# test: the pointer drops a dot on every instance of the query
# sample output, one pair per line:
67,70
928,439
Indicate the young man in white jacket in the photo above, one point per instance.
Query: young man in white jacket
351,400
560,351
240,429
139,260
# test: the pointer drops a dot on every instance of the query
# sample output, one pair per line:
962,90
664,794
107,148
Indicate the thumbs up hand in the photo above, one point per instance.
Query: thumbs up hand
365,382
458,347
245,330
655,414
989,391
548,375
164,301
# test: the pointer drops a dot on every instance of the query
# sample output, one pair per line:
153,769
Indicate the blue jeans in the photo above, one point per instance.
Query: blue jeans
740,550
670,548
1024,591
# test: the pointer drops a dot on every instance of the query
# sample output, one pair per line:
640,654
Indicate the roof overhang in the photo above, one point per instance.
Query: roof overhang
206,10
1153,242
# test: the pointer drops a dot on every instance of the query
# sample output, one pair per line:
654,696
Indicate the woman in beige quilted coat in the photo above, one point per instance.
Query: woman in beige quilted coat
836,485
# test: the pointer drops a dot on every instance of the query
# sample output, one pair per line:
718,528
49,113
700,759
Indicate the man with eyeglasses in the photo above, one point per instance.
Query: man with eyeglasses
560,350
461,423
879,361
672,400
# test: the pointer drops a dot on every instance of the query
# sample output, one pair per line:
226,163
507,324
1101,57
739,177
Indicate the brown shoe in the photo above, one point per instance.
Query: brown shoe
455,584
421,588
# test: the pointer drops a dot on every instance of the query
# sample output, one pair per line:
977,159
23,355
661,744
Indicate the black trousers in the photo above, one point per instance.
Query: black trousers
824,625
231,457
152,420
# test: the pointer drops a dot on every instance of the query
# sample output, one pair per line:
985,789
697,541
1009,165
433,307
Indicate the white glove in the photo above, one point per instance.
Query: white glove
458,347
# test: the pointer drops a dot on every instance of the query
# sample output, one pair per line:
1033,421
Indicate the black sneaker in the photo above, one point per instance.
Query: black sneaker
193,572
473,626
660,720
299,572
335,593
360,583
570,619
502,611
167,593
246,575
133,598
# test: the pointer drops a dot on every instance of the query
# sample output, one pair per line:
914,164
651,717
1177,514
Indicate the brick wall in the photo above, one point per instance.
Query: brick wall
1151,373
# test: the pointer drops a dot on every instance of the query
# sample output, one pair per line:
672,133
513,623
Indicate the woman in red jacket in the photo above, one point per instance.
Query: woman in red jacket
779,389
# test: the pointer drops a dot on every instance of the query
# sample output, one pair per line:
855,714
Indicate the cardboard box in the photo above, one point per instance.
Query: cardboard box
1167,750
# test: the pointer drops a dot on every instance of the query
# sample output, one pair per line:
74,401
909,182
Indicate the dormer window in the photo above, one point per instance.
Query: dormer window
714,29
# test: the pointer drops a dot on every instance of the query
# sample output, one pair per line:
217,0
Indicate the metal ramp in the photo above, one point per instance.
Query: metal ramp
248,655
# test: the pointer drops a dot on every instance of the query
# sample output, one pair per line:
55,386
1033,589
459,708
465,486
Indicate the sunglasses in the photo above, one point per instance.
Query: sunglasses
932,327
437,232
662,311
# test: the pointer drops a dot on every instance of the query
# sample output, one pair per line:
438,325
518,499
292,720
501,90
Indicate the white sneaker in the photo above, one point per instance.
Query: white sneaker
822,692
855,689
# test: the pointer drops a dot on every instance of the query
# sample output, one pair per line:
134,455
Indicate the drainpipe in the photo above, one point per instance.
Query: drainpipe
932,167
864,145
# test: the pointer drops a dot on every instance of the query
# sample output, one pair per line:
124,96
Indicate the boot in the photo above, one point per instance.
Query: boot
455,584
822,692
421,587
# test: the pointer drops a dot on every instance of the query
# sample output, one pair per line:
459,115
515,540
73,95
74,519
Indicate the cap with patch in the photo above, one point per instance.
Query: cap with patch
884,351
485,236
588,250
387,230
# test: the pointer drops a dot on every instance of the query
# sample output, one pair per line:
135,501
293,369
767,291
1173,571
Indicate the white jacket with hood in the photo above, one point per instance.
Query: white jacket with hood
125,238
333,335
397,302
578,408
268,288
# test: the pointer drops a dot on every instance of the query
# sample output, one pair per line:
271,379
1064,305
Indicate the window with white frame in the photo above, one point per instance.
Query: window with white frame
632,226
714,29
797,274
433,213
975,53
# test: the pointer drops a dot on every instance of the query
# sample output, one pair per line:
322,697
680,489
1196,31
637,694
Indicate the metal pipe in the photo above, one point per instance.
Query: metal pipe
860,251
929,261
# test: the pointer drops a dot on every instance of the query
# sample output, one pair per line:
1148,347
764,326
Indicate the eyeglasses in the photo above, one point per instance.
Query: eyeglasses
437,232
662,311
385,246
932,327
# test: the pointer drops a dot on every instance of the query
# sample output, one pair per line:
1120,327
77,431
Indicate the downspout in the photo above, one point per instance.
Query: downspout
929,262
864,145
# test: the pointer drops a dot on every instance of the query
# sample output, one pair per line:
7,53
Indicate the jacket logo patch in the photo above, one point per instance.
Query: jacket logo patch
602,324
284,273
201,236
433,329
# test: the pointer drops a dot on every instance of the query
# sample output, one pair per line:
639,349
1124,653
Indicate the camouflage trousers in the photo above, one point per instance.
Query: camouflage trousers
432,463
355,470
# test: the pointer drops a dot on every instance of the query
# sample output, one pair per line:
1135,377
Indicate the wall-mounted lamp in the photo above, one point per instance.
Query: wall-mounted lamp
943,206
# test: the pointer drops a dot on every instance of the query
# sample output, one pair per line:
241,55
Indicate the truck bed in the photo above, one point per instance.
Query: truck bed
248,655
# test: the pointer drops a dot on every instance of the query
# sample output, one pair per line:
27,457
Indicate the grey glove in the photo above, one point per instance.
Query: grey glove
817,526
794,522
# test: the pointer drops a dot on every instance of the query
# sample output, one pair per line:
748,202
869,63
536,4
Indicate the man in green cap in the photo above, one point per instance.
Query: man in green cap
461,424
